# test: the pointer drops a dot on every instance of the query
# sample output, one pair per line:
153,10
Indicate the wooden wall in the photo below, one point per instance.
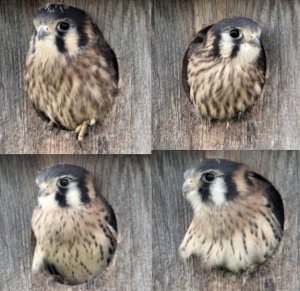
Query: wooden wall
127,130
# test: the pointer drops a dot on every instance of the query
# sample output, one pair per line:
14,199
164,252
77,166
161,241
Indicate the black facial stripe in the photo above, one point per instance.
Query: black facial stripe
57,12
60,197
204,192
61,34
84,197
227,168
247,178
231,192
235,50
60,43
33,42
216,46
83,39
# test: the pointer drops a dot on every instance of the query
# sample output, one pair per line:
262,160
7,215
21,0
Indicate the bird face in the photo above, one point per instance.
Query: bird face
60,29
237,39
210,184
64,186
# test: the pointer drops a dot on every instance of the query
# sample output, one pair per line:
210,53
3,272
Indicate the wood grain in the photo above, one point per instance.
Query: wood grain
274,121
124,181
127,129
171,216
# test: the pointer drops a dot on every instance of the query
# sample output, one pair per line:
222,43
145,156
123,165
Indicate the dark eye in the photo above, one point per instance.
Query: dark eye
63,26
63,182
208,177
234,33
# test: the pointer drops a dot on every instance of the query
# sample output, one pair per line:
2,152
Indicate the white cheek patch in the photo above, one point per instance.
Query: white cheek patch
218,191
195,199
247,54
48,202
46,49
73,197
226,45
71,42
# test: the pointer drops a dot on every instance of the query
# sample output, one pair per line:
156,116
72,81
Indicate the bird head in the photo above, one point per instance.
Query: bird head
64,186
63,29
236,39
212,183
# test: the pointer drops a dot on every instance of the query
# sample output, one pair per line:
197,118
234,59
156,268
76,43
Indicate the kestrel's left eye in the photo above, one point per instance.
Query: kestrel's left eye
208,177
235,33
63,26
63,182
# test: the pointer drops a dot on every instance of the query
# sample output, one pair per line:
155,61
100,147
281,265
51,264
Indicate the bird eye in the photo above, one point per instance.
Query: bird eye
235,33
63,182
208,177
63,26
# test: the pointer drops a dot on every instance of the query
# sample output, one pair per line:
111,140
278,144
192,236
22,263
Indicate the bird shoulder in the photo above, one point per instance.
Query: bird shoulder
194,45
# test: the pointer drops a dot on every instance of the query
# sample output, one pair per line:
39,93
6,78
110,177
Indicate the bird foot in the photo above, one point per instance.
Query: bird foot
82,129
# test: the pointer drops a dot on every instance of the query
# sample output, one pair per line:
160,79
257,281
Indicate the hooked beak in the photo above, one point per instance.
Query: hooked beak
43,192
42,32
186,187
255,41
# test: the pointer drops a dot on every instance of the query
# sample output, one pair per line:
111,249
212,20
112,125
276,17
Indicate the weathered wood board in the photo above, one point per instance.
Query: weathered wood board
274,121
124,181
171,216
127,129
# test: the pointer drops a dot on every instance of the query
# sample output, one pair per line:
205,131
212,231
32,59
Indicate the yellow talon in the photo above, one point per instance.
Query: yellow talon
78,128
92,122
83,128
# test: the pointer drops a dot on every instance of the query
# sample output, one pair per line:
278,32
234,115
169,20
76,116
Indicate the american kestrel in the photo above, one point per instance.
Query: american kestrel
238,216
75,230
71,73
224,68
